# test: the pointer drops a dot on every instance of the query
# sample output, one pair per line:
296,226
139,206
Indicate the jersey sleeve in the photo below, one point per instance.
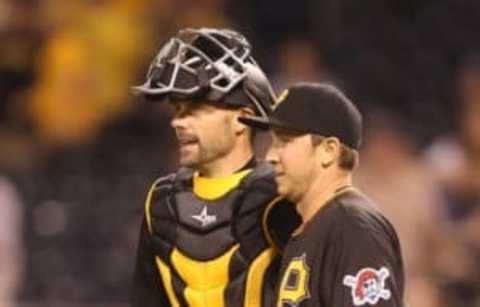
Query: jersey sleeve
364,266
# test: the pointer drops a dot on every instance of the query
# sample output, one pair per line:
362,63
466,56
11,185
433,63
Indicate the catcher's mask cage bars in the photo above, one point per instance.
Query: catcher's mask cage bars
183,70
179,55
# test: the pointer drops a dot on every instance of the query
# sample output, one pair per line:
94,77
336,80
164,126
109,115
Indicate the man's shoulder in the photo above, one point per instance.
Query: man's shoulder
353,203
357,210
260,182
163,180
167,181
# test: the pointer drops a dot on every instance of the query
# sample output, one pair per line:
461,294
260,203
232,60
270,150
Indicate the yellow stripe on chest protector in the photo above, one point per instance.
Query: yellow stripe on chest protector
256,276
166,275
205,281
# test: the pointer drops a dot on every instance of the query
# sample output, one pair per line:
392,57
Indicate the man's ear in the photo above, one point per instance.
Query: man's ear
329,151
247,112
240,127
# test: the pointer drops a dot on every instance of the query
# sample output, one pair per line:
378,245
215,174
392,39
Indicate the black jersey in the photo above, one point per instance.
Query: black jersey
209,249
347,255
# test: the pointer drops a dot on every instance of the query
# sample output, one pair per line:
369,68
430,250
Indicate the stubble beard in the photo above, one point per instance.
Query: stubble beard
190,159
199,158
205,156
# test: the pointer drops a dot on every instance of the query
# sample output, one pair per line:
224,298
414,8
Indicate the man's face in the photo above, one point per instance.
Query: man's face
294,162
204,132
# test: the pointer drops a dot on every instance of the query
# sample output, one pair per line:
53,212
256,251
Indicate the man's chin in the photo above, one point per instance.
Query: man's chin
188,156
284,191
188,161
281,189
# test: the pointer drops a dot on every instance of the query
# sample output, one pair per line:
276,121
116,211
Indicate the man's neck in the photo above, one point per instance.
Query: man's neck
228,164
320,193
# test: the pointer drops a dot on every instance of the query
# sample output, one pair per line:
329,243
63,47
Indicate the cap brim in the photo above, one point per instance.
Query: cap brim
258,122
262,123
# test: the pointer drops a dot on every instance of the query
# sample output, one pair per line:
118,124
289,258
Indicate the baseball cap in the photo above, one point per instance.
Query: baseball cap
315,108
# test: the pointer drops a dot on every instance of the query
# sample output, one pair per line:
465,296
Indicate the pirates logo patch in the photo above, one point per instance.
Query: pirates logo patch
294,286
368,286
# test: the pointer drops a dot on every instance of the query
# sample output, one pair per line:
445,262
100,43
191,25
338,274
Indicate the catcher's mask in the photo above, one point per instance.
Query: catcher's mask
214,65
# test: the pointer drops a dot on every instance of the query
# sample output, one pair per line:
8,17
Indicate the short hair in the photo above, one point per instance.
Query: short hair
348,158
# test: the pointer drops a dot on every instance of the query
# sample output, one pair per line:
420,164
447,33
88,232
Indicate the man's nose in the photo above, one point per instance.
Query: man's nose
180,115
178,122
272,155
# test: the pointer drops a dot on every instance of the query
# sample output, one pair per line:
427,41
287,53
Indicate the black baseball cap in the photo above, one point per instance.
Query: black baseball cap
315,108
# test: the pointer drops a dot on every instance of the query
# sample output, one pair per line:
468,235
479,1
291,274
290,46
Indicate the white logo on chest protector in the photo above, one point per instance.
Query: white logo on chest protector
204,218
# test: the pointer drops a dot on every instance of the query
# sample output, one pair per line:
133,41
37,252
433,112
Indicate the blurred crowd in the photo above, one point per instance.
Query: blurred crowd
78,151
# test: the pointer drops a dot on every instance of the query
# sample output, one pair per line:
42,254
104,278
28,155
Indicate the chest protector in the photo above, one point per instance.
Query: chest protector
214,252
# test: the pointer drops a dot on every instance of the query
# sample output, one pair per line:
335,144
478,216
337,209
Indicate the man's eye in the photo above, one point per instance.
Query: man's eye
197,108
285,139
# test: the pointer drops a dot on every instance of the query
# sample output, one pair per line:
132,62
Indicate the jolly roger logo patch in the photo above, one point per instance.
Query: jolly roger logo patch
368,286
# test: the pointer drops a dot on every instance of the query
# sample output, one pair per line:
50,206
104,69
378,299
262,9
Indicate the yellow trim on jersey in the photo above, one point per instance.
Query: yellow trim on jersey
205,280
166,275
255,277
269,208
213,188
